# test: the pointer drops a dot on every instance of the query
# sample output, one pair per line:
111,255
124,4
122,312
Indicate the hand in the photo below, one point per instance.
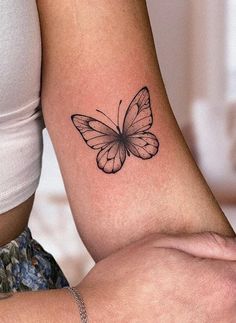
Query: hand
165,279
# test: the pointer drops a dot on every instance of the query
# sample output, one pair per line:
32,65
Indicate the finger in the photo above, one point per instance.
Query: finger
205,244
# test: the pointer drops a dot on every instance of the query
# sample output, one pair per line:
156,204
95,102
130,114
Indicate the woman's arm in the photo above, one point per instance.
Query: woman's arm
157,280
52,306
96,53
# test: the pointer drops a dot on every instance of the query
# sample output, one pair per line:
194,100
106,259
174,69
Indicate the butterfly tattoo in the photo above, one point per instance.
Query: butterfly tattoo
115,144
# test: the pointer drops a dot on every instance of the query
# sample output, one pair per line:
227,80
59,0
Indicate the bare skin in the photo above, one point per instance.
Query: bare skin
165,279
148,281
13,222
97,53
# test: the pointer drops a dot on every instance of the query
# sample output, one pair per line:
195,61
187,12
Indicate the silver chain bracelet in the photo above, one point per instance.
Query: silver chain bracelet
80,302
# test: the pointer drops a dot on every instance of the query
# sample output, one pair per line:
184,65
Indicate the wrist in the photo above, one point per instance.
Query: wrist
75,293
95,303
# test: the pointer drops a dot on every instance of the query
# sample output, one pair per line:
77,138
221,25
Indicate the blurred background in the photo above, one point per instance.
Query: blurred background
196,48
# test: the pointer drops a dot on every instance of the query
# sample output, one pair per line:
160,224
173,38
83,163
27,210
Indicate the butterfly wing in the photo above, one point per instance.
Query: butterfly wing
112,157
138,119
97,135
143,145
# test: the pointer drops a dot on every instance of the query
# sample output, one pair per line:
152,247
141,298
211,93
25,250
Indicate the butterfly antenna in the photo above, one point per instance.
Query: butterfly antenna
106,117
118,115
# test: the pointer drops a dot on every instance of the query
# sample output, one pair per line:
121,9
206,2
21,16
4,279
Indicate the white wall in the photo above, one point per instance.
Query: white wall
208,51
170,20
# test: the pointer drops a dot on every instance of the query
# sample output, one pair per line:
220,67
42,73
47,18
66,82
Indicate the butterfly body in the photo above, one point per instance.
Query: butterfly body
122,139
114,145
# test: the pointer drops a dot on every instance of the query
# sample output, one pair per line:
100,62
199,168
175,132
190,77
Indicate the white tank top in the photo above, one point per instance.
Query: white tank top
20,116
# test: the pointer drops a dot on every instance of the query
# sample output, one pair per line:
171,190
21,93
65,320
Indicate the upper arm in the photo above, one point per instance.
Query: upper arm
96,53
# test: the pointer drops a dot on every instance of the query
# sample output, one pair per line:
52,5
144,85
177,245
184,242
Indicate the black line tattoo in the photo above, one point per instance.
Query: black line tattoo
132,139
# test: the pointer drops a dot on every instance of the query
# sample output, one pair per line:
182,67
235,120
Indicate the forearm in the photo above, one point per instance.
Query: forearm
56,306
130,293
52,306
95,54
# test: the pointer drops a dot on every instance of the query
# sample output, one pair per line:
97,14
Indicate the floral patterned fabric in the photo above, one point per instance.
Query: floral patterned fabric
25,265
